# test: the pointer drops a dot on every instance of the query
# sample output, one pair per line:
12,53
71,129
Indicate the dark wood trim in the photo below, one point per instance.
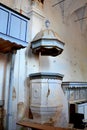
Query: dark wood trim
37,126
44,75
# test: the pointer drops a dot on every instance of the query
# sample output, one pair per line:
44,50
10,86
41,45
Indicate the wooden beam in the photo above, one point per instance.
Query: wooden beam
39,126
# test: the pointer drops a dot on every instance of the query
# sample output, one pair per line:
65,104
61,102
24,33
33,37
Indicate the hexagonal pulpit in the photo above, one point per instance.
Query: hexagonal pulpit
47,102
48,43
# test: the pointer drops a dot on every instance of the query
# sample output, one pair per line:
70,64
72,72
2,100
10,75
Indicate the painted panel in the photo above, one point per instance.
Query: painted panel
81,109
85,111
27,32
15,26
36,94
23,30
18,27
3,21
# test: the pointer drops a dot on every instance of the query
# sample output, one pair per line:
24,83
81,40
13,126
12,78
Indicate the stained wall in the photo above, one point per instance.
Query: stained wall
72,62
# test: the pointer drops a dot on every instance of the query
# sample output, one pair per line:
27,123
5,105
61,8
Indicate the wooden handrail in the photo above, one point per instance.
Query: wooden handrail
39,126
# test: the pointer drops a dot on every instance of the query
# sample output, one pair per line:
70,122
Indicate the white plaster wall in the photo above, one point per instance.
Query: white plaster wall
72,62
6,2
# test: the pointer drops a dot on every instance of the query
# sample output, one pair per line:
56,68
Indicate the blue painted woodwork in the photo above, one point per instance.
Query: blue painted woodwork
13,25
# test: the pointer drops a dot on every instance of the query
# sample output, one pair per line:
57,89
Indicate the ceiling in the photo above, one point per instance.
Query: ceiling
69,6
73,7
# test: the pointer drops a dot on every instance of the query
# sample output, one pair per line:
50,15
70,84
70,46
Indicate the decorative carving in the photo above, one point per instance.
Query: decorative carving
75,91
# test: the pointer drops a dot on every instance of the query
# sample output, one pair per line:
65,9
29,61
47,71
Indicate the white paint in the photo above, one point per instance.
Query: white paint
48,103
72,62
36,20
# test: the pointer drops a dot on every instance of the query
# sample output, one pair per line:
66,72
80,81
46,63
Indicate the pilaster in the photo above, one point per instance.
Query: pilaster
36,16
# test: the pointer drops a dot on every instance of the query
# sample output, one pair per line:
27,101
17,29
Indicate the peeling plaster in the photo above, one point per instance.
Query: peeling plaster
21,110
14,94
48,93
